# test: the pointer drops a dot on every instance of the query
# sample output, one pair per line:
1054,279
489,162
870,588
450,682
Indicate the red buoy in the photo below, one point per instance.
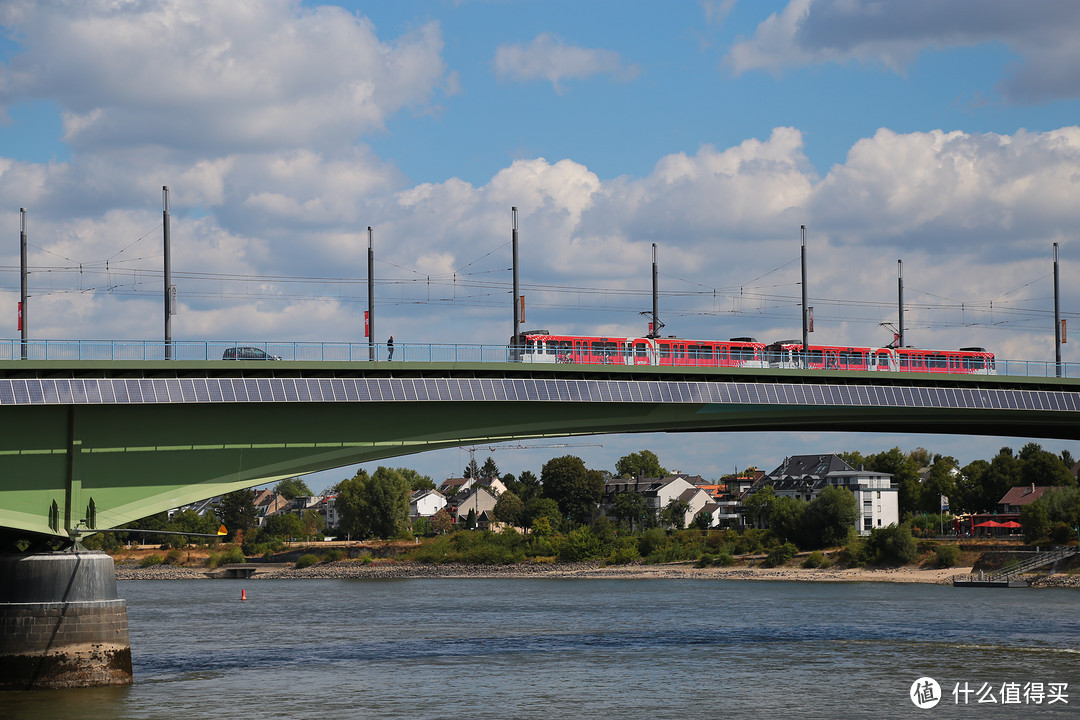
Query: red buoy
243,595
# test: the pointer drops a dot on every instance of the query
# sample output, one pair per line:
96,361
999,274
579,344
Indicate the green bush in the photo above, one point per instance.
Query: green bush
892,544
651,540
581,544
151,560
946,556
539,546
751,541
780,555
813,560
306,560
174,557
333,555
624,551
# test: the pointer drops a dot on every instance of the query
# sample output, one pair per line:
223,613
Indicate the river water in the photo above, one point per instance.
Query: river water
588,648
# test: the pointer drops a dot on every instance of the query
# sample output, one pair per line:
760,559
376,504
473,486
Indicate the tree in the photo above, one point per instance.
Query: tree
640,464
285,526
940,481
786,518
489,470
759,505
1003,473
526,486
292,488
905,473
674,514
509,508
416,480
472,470
829,517
376,505
967,494
542,508
1041,467
238,512
313,523
441,522
1068,459
576,489
630,508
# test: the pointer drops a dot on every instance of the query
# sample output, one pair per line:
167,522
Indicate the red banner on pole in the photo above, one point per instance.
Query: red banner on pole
1063,337
367,332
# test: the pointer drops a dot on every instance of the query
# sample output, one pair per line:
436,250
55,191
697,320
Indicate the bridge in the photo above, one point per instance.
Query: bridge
88,443
93,444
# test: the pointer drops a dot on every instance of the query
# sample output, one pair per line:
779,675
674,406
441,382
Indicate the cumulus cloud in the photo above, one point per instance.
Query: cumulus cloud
972,215
548,58
813,32
214,77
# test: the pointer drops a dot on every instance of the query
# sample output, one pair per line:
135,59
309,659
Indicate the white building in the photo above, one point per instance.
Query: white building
425,503
803,477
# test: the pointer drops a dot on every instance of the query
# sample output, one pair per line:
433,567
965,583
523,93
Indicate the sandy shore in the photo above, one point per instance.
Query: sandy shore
675,571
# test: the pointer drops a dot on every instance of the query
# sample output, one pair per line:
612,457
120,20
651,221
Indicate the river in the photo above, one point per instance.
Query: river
588,648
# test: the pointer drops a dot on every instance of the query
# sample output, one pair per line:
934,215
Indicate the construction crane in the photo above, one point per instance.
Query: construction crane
493,448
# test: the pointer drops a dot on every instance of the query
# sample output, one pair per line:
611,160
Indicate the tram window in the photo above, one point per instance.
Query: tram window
816,357
665,351
883,360
858,358
641,350
905,362
936,361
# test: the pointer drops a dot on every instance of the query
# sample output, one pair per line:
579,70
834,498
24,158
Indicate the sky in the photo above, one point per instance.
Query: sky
939,133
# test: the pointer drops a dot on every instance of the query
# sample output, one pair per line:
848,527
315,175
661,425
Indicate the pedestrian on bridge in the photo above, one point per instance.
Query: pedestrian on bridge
390,348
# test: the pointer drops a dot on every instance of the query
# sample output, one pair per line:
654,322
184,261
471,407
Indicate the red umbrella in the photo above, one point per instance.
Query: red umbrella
989,523
1011,524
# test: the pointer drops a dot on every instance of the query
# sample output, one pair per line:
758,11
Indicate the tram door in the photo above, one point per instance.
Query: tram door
643,353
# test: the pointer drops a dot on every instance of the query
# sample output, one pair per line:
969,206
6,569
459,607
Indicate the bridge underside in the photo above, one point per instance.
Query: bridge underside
83,464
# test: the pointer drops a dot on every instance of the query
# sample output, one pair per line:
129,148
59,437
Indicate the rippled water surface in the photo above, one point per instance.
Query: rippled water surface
590,648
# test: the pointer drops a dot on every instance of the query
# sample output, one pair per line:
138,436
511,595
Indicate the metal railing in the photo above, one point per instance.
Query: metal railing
1009,572
198,350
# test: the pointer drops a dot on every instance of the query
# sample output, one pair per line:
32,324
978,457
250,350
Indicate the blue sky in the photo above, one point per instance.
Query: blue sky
940,132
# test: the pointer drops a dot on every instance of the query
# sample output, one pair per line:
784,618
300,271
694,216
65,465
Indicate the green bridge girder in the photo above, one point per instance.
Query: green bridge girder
101,460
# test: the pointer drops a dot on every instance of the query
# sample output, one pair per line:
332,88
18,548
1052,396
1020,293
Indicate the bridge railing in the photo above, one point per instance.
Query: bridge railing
199,350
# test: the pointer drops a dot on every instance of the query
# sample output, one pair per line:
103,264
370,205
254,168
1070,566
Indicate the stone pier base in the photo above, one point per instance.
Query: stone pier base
61,624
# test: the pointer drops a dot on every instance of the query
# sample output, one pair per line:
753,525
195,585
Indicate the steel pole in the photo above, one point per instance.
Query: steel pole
371,291
900,285
805,311
1057,316
655,296
515,335
168,273
23,284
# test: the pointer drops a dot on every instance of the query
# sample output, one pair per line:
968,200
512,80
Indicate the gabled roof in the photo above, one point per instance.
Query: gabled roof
1024,494
817,466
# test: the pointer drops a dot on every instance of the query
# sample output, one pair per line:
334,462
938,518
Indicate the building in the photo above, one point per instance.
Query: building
658,493
425,503
1018,497
803,477
479,500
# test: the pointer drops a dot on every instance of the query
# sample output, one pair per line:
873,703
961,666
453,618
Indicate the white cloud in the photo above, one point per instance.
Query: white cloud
548,58
892,34
209,76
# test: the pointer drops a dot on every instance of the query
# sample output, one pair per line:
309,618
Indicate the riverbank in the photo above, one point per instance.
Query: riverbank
351,569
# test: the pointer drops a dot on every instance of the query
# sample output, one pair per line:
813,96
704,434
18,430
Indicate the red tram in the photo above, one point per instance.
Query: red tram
540,346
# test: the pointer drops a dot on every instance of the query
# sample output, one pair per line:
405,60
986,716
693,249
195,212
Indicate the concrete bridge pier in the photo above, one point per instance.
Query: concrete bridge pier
61,624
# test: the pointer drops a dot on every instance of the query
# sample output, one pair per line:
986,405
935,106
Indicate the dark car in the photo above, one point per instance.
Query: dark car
246,353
